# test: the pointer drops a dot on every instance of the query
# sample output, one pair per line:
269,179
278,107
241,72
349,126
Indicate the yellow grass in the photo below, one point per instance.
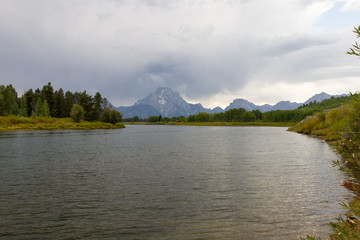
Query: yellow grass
11,123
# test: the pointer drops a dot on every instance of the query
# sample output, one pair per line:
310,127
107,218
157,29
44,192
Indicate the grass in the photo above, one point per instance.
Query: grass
13,123
329,125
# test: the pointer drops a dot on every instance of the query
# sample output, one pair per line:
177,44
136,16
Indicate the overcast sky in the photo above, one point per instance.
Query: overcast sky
210,51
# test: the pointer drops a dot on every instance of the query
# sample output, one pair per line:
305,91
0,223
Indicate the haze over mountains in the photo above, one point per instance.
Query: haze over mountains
168,103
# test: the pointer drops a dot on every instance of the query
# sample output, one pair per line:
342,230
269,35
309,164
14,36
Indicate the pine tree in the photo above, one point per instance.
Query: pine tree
69,102
23,110
10,104
98,102
47,94
38,107
45,109
59,103
30,101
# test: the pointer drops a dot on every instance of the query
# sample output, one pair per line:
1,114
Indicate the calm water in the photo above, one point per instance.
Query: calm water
167,182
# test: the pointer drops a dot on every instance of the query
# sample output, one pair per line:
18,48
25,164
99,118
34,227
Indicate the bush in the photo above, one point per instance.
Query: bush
111,116
77,113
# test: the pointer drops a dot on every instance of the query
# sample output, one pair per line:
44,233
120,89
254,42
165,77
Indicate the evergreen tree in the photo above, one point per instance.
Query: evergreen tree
86,101
45,109
23,109
59,103
2,102
10,104
98,102
69,102
47,94
38,107
30,101
249,117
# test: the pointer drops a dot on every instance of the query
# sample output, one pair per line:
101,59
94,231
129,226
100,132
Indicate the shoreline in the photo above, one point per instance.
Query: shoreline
348,228
219,124
16,123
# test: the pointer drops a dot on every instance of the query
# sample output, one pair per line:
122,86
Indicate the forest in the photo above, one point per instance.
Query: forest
48,102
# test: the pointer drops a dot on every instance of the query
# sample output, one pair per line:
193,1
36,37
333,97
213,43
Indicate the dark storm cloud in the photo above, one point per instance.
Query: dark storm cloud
127,48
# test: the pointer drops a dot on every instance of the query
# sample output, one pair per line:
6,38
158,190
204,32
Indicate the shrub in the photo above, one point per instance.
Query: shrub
111,116
77,113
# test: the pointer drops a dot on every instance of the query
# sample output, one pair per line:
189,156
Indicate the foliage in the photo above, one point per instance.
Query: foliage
111,116
49,103
38,107
45,112
23,110
276,116
329,103
154,119
77,113
355,50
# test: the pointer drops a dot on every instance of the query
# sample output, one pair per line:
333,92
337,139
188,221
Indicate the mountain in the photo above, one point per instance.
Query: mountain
241,103
168,103
217,110
142,111
318,97
248,106
285,105
163,101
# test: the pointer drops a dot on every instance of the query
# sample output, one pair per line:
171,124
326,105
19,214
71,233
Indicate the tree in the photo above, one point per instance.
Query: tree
355,50
203,117
10,104
111,116
30,101
249,117
47,93
2,102
59,104
23,111
153,119
69,102
45,112
77,113
86,101
38,107
191,118
98,102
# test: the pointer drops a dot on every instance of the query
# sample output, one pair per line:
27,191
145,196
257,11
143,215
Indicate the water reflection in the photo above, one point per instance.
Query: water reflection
167,182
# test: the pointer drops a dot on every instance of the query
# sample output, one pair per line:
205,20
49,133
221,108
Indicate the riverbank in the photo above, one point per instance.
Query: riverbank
16,123
338,127
225,124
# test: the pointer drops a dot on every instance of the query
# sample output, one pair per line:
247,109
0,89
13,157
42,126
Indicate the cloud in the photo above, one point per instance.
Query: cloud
203,49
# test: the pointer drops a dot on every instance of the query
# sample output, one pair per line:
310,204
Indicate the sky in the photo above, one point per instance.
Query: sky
210,51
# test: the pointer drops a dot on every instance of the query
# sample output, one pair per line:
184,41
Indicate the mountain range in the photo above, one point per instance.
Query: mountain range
168,103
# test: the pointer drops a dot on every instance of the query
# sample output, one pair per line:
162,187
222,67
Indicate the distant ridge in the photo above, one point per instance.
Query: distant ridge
168,103
163,101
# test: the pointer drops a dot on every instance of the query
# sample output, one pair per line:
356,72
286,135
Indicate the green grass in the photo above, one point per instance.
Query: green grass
329,125
12,123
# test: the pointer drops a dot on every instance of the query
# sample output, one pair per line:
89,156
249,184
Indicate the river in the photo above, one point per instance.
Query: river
167,182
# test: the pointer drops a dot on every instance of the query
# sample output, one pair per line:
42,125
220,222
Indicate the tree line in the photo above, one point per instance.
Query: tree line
48,102
241,115
234,115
